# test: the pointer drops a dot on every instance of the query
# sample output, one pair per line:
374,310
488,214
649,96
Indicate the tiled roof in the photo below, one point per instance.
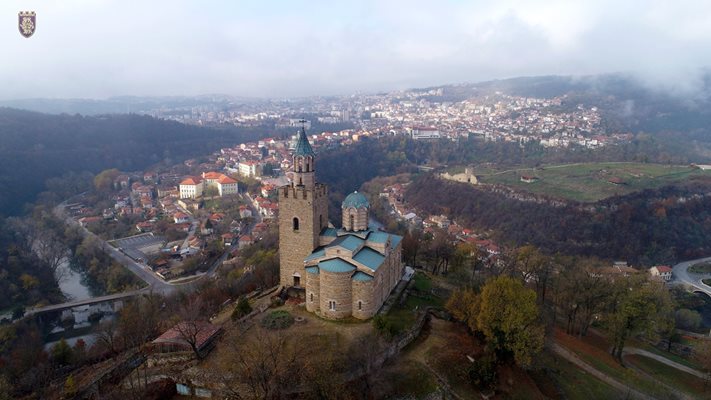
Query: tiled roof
303,147
191,180
355,200
330,232
318,253
205,331
378,237
348,242
312,270
370,258
336,265
362,276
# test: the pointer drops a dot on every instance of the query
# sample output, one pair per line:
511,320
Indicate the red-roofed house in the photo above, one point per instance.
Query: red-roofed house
244,241
183,336
180,217
663,272
224,184
191,188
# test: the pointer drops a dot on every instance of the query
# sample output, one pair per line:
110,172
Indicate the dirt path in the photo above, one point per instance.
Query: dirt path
663,360
573,358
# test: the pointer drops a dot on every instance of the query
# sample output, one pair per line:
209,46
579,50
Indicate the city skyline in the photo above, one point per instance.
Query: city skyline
99,49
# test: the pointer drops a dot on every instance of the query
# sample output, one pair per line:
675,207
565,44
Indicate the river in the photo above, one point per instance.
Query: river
71,283
74,287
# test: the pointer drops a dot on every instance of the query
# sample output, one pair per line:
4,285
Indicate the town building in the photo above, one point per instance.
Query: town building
191,188
344,272
663,272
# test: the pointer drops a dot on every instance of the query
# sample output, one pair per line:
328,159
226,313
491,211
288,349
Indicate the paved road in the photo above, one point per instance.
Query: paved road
573,358
664,360
681,275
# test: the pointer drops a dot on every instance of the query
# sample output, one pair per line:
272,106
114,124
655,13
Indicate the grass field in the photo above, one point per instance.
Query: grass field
573,382
590,182
682,381
701,268
594,351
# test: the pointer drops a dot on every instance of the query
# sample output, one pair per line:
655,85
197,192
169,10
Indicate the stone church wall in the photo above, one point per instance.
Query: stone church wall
336,286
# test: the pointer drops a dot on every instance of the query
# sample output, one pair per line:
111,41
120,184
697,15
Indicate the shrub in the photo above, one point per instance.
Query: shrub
243,308
482,372
277,320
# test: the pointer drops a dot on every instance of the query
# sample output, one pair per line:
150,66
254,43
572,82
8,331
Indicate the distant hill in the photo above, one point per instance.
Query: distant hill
121,104
35,147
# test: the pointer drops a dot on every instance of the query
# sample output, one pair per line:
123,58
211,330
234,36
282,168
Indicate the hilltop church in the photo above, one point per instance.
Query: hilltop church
345,272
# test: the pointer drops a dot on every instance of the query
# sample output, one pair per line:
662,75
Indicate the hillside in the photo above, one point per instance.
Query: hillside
649,227
589,182
35,147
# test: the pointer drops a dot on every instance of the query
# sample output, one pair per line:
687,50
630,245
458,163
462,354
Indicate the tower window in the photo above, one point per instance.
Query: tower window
332,305
320,221
312,297
296,224
360,305
352,222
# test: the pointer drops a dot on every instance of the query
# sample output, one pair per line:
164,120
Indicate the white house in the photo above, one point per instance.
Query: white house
661,271
191,188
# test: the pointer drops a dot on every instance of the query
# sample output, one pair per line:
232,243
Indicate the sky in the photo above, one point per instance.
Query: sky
104,48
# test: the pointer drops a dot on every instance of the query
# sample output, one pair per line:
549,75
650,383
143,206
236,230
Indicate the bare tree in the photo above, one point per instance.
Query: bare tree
107,335
193,323
260,365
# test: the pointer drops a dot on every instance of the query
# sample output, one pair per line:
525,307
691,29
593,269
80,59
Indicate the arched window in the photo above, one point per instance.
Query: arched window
360,305
352,222
312,297
296,224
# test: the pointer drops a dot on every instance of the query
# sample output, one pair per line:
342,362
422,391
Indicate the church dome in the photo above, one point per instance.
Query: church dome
355,200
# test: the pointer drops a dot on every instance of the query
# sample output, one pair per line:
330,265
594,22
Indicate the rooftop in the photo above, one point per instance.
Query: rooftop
355,200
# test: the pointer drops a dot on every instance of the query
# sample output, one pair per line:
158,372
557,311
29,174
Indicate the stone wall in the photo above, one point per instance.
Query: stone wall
363,292
311,209
360,218
336,286
313,291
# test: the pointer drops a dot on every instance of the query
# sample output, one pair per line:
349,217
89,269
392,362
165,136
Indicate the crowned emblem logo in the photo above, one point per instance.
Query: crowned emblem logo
27,21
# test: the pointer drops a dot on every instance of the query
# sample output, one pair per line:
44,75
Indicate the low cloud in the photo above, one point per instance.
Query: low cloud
102,48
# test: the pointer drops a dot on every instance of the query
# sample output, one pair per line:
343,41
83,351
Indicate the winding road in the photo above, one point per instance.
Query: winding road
680,273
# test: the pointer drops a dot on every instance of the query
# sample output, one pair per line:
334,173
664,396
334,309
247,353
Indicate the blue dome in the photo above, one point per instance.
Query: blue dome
355,200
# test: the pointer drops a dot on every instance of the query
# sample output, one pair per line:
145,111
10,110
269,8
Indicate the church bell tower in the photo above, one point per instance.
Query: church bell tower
303,214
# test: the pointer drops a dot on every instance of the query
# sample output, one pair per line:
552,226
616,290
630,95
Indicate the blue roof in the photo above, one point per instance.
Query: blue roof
348,242
332,232
394,240
355,200
303,147
362,276
318,253
336,265
370,258
378,237
312,270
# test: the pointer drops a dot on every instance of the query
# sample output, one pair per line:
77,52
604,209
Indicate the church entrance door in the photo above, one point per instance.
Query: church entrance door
297,281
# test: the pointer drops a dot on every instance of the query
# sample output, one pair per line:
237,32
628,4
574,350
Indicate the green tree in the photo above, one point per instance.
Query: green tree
70,387
508,317
464,305
62,353
641,307
104,181
243,308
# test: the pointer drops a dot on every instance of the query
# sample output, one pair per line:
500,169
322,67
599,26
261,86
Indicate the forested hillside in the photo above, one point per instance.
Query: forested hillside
35,147
648,227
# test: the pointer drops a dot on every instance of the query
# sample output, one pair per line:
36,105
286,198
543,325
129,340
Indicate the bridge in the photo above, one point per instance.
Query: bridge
680,272
87,302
